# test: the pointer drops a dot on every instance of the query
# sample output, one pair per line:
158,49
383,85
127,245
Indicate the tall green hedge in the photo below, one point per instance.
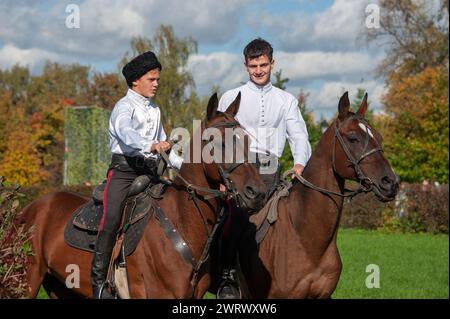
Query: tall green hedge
87,153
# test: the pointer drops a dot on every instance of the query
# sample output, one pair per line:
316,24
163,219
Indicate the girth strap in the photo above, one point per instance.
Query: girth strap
177,240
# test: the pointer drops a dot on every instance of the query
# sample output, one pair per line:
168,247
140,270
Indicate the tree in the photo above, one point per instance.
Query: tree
6,108
21,162
106,89
58,84
416,129
314,131
279,81
15,81
415,34
354,105
415,126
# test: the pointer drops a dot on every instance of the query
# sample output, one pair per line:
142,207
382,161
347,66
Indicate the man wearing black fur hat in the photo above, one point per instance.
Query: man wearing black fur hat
136,137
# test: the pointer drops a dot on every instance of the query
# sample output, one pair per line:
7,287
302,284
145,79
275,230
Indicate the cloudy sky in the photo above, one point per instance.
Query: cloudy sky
318,44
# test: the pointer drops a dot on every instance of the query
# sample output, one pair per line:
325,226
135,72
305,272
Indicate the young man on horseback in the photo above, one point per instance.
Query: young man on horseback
270,115
136,138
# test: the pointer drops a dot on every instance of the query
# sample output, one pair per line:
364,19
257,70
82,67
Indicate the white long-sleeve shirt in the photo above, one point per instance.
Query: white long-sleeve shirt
270,116
135,125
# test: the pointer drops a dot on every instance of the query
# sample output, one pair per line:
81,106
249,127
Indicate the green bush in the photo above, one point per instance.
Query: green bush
15,246
424,210
414,210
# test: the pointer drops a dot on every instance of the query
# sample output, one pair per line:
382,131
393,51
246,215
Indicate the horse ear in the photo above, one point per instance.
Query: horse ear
213,103
344,106
363,107
234,107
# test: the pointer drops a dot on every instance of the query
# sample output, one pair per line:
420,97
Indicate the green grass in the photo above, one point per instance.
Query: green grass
410,265
42,294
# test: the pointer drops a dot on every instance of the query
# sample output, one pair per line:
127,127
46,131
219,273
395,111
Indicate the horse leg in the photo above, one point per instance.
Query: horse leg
35,277
36,268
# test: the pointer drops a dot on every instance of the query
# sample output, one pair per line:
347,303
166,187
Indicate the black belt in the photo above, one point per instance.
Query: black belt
134,161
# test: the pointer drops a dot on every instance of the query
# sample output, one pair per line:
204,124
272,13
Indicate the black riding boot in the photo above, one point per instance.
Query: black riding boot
100,263
229,287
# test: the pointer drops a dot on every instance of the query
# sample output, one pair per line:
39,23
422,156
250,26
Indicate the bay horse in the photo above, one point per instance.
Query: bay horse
156,269
298,257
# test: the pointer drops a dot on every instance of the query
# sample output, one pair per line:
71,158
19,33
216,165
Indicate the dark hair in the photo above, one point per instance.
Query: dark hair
256,48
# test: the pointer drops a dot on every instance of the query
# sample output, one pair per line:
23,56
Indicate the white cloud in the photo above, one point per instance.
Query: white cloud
339,27
218,68
318,52
324,100
322,65
34,58
227,69
106,26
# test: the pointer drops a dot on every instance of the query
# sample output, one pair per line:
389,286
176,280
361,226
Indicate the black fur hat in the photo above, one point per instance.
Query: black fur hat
140,65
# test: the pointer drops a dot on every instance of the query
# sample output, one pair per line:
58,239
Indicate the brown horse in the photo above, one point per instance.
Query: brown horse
298,257
156,269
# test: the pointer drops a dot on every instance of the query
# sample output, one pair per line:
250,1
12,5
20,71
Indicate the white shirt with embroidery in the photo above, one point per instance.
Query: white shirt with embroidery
135,125
270,115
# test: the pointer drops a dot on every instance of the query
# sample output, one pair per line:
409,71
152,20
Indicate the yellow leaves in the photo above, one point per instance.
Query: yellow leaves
417,132
21,163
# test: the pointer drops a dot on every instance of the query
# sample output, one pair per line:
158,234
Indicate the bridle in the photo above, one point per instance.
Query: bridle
365,183
193,190
225,172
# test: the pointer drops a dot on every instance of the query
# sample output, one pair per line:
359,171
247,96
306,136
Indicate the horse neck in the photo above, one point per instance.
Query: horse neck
193,173
317,215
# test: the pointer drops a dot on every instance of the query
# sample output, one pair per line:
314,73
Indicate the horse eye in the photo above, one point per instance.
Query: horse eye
353,139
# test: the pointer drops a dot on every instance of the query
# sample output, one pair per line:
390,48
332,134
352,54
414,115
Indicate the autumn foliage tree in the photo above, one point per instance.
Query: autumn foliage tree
21,161
32,144
416,69
417,129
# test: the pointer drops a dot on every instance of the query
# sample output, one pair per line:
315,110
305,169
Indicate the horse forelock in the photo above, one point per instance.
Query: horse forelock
361,123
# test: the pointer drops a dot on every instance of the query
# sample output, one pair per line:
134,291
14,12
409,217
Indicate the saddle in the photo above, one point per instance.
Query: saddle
268,215
81,230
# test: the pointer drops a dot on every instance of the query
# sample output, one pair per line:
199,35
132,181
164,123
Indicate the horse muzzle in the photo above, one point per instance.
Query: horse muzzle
386,188
252,197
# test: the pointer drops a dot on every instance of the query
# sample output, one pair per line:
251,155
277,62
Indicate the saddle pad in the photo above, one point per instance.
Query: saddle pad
82,228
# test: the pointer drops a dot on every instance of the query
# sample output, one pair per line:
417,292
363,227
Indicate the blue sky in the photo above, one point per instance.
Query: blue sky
317,44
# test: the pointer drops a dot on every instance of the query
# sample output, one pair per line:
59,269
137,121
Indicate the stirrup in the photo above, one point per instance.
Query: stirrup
229,288
104,294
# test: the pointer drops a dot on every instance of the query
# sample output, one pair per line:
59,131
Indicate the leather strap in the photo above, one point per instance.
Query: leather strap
177,240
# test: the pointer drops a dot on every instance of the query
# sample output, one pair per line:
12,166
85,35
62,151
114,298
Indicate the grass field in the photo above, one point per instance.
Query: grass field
410,265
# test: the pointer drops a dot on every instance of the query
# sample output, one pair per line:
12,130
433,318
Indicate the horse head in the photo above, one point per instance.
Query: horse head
230,165
357,152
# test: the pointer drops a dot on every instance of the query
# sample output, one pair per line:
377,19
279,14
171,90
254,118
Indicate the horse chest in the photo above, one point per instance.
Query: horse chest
302,276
